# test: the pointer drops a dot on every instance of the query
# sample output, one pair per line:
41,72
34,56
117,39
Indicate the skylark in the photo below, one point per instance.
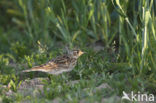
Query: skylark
60,64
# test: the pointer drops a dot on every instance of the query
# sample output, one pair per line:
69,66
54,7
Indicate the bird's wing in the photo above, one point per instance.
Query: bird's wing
61,60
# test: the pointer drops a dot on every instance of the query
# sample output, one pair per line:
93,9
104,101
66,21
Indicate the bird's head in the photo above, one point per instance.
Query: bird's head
76,53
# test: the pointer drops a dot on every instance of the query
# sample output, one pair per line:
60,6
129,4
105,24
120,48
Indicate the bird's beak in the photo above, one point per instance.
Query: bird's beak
81,53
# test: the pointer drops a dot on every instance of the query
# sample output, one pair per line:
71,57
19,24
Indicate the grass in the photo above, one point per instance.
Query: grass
33,32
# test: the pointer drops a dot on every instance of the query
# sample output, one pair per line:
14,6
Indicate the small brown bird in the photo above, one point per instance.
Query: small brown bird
60,64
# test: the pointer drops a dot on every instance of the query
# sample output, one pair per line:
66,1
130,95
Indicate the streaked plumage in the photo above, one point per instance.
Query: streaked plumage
60,64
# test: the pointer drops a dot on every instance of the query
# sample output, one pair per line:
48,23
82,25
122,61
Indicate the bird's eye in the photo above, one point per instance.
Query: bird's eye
75,52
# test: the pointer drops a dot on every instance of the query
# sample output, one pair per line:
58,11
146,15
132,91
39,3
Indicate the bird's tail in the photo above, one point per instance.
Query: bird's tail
30,70
37,68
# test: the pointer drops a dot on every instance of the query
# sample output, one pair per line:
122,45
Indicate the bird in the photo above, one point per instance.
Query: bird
60,64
